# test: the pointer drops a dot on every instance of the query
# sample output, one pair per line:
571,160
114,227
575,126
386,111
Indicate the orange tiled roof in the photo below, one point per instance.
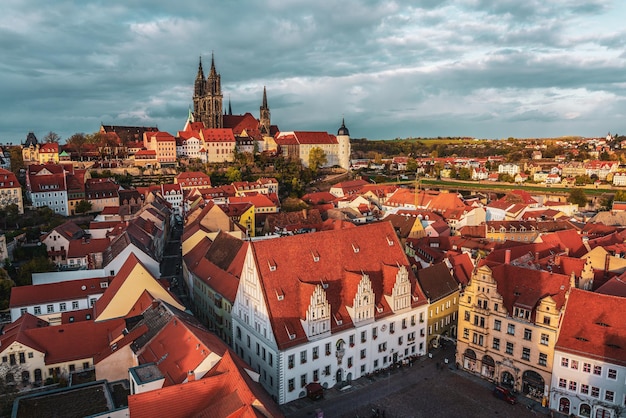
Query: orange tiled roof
593,326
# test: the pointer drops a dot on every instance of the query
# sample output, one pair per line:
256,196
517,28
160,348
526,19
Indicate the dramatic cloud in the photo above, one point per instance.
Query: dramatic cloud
488,69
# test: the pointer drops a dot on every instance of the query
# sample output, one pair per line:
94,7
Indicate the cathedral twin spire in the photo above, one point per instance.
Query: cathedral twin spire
208,98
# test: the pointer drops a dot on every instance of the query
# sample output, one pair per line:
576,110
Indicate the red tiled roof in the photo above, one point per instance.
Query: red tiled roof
593,326
16,331
8,180
288,266
54,292
75,341
226,391
217,135
525,287
82,247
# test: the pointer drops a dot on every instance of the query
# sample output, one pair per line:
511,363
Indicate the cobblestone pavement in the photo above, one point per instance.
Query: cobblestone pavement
420,391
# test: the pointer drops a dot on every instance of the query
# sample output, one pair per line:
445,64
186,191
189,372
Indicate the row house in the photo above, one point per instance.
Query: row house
164,144
49,301
589,372
10,191
442,291
46,186
601,169
263,185
306,312
501,231
171,193
508,325
101,192
189,180
32,351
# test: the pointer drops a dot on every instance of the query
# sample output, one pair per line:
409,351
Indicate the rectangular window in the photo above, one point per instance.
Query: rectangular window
595,392
543,359
584,389
586,367
22,358
526,353
564,362
316,375
546,320
497,325
574,364
291,385
496,344
465,333
597,370
509,348
510,329
352,340
363,354
612,374
562,383
37,310
62,306
545,338
23,311
572,386
609,396
363,336
392,327
328,349
316,353
290,361
327,370
349,361
302,380
75,304
528,334
302,357
375,332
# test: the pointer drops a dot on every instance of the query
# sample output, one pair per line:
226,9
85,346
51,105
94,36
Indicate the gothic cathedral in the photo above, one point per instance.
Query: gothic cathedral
207,98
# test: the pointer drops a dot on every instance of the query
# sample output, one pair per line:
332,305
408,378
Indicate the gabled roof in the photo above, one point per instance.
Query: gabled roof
615,286
69,230
127,286
16,332
437,282
523,287
593,326
226,391
55,292
83,247
293,266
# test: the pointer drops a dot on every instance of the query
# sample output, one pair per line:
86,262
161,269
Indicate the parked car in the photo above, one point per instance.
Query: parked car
504,394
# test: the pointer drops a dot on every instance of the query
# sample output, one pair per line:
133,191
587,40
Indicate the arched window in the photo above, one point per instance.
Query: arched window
564,405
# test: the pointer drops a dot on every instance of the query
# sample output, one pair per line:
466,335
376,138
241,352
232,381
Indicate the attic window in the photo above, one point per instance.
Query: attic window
280,295
389,241
316,256
611,345
602,324
355,248
338,319
272,265
379,308
583,339
104,285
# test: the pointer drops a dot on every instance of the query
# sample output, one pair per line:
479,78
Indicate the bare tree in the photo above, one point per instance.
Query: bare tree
52,137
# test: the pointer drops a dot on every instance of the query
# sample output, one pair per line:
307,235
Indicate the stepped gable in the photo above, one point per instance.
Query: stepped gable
284,264
593,326
524,287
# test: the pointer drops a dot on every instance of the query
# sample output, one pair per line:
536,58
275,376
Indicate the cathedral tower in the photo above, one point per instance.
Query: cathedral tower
207,97
264,116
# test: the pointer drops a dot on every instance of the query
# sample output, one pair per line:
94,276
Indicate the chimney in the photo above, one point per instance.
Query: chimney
507,257
191,376
607,262
536,256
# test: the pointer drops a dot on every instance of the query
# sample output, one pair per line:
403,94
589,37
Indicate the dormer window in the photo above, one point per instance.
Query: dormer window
355,248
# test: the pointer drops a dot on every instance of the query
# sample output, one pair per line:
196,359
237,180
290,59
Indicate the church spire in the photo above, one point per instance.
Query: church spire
230,109
264,105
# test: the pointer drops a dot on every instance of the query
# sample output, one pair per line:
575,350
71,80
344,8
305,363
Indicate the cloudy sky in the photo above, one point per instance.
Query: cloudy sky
422,68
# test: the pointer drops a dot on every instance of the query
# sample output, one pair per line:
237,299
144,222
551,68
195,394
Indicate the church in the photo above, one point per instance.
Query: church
252,134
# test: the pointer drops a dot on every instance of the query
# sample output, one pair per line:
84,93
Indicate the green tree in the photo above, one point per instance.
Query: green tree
233,174
83,206
464,173
578,197
411,165
35,265
506,177
17,160
620,196
317,158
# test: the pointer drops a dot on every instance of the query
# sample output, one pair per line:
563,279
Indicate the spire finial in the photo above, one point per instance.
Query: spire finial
264,98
